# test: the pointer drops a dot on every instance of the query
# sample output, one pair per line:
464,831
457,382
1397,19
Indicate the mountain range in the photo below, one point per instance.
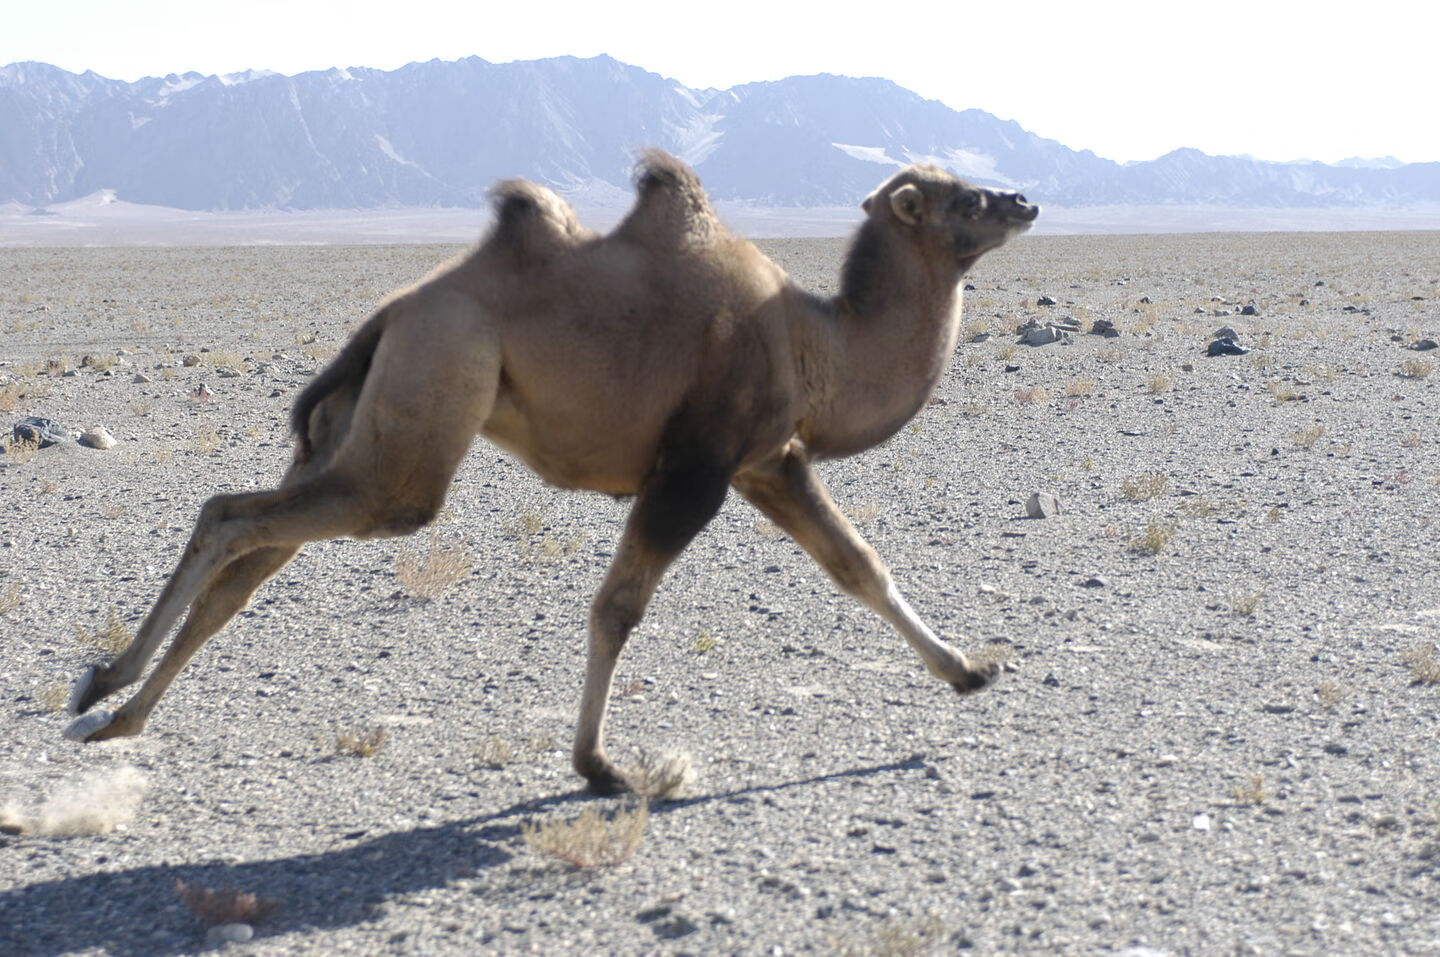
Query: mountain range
439,133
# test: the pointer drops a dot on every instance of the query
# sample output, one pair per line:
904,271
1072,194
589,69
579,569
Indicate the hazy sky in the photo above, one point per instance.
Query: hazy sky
1127,80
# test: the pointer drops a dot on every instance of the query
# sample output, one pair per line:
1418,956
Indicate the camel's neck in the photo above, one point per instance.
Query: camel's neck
891,332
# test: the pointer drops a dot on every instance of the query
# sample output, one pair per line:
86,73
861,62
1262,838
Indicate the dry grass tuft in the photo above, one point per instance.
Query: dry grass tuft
662,777
1079,387
898,937
1035,395
19,451
225,906
1424,664
10,599
361,743
768,530
10,395
1159,382
1196,506
113,638
1142,488
97,804
1252,791
1281,391
207,438
495,752
430,575
1416,368
1306,438
590,840
1330,693
862,514
1154,539
54,696
705,641
1244,604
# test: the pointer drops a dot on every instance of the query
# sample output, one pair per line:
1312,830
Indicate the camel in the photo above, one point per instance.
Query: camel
668,360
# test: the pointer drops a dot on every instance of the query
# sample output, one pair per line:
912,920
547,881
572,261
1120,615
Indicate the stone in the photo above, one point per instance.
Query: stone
1044,335
140,377
190,361
97,438
1424,345
1250,310
1045,301
1225,347
1225,332
46,432
229,934
1104,327
201,392
1042,505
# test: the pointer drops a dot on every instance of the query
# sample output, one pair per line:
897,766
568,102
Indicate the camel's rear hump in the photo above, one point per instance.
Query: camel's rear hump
671,208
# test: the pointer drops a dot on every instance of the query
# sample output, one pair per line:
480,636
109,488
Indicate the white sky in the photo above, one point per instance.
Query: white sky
1128,80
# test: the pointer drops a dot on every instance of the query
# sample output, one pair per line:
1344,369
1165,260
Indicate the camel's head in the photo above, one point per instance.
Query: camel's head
938,208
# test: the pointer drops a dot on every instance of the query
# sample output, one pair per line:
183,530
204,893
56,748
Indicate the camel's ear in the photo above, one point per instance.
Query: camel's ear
865,203
908,203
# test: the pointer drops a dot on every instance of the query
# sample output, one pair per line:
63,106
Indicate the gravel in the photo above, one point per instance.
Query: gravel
1219,747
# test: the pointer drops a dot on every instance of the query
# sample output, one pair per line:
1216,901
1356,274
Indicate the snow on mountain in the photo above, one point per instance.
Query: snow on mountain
439,133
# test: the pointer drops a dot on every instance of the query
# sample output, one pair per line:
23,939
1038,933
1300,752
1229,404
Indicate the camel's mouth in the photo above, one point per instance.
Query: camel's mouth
1015,210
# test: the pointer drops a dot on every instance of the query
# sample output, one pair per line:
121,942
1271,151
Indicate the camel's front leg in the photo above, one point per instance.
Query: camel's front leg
674,506
789,492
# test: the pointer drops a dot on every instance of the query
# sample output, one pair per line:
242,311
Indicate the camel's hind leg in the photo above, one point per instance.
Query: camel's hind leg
789,492
231,589
676,503
382,462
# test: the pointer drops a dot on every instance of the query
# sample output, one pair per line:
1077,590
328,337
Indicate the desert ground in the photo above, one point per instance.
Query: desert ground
1217,732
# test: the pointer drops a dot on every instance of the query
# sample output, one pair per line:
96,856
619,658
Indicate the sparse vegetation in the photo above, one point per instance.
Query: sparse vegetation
361,742
862,514
1252,791
1195,506
1245,604
429,575
1079,387
768,530
19,450
592,839
1416,368
704,642
225,906
898,937
1424,664
54,696
10,599
1153,539
495,752
1306,438
1159,382
1281,390
660,777
207,438
1142,488
1330,693
111,639
1036,395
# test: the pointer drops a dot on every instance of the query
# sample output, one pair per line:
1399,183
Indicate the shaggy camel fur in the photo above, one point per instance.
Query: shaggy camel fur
668,360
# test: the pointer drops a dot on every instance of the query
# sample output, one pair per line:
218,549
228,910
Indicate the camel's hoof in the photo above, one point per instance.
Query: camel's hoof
978,677
88,724
81,689
607,783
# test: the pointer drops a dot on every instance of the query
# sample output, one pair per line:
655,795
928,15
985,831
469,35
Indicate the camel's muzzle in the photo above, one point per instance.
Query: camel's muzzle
1013,207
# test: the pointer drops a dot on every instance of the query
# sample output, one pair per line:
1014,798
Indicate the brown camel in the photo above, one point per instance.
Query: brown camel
668,360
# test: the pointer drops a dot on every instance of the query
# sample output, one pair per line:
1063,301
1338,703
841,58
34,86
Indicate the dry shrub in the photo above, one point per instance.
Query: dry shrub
429,576
1244,604
19,451
97,804
590,840
361,743
1079,387
495,752
225,906
1424,664
1416,368
1306,438
112,639
10,395
898,937
768,530
1252,791
10,599
862,514
1142,488
1154,539
996,653
1032,396
663,777
1159,382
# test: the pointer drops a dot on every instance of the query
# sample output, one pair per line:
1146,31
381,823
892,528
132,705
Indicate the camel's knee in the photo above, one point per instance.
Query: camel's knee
613,615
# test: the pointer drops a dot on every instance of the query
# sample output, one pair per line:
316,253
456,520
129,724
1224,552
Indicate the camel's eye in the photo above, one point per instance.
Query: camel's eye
969,203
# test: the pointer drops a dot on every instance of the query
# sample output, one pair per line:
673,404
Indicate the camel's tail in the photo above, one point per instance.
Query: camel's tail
347,369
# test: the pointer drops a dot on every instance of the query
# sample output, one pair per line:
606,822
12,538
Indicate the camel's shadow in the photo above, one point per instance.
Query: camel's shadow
330,889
